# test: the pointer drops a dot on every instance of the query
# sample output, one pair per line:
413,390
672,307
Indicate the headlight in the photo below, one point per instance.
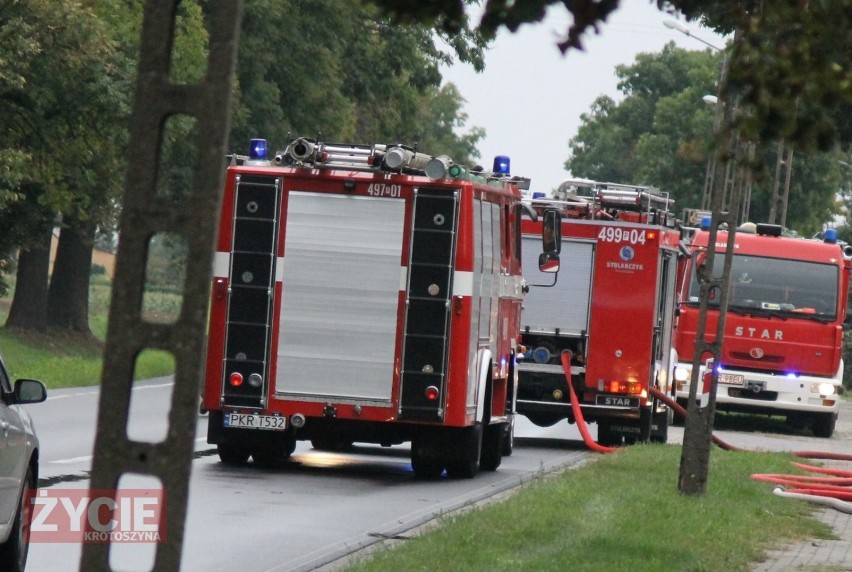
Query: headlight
822,388
683,373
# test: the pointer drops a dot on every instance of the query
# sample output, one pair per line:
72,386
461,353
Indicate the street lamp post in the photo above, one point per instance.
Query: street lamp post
710,177
675,25
724,197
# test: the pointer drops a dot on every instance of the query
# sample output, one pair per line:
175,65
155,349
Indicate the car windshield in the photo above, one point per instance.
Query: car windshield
777,287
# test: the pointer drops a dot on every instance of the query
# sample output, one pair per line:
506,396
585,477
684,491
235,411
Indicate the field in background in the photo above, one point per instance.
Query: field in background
63,359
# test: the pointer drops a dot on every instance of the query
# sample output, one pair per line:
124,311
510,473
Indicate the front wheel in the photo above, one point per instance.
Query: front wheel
13,552
823,424
607,437
660,426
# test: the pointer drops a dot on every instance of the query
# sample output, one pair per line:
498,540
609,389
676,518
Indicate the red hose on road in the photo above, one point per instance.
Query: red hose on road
682,413
813,489
824,470
828,491
578,413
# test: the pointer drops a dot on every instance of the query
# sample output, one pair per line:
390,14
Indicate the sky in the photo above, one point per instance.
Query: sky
530,96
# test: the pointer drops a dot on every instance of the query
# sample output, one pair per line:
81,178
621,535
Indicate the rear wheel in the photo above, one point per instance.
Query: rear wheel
333,444
13,552
271,455
232,454
463,460
492,446
425,461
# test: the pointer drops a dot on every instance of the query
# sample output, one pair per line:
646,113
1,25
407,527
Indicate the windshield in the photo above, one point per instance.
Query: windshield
792,288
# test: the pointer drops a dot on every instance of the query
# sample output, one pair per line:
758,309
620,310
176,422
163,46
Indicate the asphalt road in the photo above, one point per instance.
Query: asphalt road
315,509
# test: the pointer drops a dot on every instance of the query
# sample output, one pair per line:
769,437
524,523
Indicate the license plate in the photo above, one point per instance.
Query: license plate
731,378
616,401
252,421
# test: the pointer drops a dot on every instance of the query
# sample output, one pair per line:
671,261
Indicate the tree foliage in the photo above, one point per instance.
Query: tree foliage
791,71
342,72
661,132
306,67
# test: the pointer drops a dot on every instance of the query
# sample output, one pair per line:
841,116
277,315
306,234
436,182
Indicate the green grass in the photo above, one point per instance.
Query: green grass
621,512
62,359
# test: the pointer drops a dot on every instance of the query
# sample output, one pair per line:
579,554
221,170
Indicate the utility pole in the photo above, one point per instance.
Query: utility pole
783,162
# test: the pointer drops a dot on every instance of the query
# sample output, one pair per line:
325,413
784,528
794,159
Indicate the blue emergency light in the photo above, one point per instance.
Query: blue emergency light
257,150
830,235
501,165
705,223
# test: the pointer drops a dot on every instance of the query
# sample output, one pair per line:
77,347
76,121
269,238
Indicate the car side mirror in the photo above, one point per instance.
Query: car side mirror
30,391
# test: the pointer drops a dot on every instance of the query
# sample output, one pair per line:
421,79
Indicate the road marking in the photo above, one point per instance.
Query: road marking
73,460
96,391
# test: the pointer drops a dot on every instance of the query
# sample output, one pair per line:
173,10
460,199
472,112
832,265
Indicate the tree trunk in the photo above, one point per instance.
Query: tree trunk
68,295
29,304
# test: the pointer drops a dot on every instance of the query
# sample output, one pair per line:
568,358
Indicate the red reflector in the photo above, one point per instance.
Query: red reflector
236,379
431,393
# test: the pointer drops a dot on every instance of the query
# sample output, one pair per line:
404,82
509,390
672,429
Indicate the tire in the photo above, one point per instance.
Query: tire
463,461
606,437
823,425
662,420
231,454
13,552
424,462
509,437
544,419
491,454
463,468
645,420
272,455
334,445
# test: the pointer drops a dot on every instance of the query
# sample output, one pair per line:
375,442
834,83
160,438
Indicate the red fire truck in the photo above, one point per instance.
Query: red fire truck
781,352
365,293
610,303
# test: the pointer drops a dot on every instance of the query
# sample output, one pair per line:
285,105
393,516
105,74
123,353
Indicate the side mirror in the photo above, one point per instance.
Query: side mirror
551,232
548,262
29,391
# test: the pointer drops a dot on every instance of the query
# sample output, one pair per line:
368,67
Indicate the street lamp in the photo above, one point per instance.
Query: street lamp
675,25
709,180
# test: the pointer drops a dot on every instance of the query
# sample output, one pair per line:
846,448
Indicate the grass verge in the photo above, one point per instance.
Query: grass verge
622,512
64,359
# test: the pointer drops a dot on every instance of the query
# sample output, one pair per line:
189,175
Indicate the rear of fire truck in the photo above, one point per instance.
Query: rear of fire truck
609,302
782,347
365,293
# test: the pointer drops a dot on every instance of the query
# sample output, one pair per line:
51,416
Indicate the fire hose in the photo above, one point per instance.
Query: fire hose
834,491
